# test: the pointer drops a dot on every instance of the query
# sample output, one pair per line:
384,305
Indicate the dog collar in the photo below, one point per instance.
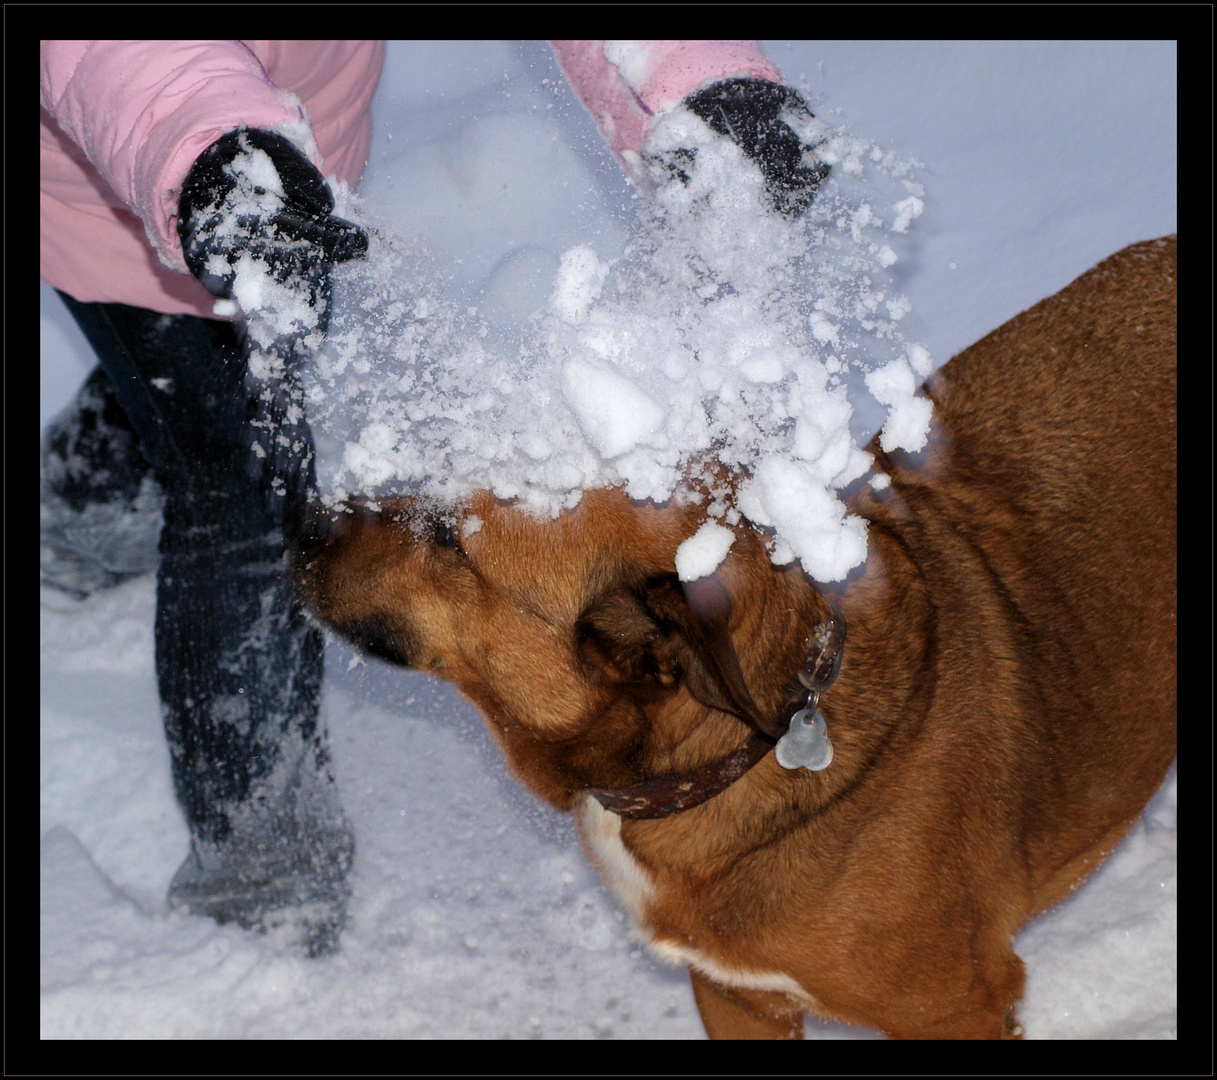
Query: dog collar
805,744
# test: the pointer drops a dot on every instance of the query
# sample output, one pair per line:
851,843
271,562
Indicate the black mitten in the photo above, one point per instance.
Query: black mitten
227,210
749,112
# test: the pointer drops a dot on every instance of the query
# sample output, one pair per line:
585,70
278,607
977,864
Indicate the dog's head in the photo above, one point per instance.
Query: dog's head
590,661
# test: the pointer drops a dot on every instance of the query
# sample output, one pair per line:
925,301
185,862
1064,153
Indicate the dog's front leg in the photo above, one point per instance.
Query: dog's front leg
731,1013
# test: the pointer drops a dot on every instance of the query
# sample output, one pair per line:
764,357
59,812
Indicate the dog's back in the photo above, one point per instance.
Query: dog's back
1056,461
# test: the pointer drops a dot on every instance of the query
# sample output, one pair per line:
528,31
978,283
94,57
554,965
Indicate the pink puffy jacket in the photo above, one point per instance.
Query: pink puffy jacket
123,121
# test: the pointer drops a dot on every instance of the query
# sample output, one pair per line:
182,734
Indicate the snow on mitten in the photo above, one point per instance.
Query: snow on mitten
252,193
757,115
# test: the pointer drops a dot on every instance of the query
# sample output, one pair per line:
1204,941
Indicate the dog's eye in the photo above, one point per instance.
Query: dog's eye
441,532
446,536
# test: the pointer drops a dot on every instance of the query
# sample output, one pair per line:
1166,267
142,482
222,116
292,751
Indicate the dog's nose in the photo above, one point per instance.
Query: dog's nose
312,527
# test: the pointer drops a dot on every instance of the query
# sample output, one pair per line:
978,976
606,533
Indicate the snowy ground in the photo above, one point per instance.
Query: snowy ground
475,914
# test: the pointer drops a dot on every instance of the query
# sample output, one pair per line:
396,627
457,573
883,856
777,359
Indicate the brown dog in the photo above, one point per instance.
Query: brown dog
1005,704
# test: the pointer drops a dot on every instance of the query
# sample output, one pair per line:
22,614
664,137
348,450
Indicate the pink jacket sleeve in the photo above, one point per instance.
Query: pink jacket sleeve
121,122
625,85
142,111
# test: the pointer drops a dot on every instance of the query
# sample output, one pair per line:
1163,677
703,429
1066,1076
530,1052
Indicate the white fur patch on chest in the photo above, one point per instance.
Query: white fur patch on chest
635,888
631,884
744,978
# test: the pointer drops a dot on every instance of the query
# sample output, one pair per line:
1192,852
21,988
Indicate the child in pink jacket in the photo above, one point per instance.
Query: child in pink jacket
174,456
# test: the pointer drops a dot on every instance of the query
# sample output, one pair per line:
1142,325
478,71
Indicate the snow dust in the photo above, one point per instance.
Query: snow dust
716,343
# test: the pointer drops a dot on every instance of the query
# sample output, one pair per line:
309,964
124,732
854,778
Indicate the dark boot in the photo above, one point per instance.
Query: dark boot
100,508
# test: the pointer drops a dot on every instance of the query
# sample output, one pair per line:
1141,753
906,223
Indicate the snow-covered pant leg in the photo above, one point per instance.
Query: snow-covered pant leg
238,665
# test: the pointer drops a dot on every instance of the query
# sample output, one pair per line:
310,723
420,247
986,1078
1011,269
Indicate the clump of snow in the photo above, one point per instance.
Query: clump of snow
720,340
632,60
580,278
921,361
908,423
614,413
273,308
809,521
906,211
701,554
257,171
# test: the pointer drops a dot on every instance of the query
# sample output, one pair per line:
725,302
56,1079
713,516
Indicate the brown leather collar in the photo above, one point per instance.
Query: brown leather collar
670,794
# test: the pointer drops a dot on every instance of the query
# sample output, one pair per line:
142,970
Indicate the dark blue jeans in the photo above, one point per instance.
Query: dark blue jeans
238,666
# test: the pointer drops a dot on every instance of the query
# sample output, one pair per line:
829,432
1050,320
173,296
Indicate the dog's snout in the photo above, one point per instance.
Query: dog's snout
312,527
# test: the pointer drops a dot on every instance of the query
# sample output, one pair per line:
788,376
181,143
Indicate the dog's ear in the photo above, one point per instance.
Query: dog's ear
670,633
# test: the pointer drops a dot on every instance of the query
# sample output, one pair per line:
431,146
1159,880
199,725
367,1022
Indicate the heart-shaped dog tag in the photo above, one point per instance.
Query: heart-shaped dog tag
806,744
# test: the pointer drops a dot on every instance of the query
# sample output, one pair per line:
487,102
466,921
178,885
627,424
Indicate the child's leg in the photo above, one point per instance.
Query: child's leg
238,666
